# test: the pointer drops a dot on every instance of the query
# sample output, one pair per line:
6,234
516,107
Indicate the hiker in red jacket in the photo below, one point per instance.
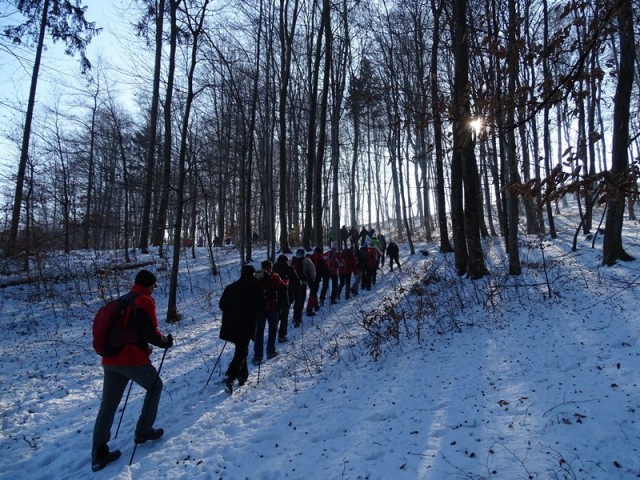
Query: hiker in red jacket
349,267
322,275
132,363
307,274
270,283
334,265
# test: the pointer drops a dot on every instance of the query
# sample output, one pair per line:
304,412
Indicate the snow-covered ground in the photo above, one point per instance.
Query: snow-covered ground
529,377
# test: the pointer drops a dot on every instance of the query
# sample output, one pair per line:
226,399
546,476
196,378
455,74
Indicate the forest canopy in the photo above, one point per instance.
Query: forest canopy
280,122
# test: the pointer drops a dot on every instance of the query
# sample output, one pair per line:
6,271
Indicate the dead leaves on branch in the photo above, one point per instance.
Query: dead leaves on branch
605,185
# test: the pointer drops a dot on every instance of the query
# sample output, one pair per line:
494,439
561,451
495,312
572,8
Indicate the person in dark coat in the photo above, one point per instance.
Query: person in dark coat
383,247
393,253
240,303
344,236
286,296
354,235
364,233
366,263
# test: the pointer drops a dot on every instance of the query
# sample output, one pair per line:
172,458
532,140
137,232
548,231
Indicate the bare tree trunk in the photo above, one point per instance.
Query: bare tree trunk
159,229
513,178
592,137
612,249
545,123
322,123
394,150
122,154
354,164
403,198
338,81
125,174
172,308
88,211
286,33
153,128
12,241
64,198
445,245
247,226
469,257
312,149
487,191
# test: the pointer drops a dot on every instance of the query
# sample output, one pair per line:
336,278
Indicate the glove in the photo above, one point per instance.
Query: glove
168,341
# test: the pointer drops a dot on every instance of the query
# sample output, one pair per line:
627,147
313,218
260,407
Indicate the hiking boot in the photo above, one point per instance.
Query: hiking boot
297,324
256,361
273,354
317,307
283,340
228,385
153,434
104,457
310,313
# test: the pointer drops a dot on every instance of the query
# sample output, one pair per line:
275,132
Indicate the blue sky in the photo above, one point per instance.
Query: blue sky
57,70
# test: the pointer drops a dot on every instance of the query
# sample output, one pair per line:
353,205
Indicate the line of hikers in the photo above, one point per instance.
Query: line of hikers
264,298
248,305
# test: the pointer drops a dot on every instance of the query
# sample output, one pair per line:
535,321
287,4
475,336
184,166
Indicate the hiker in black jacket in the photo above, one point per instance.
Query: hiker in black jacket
394,255
240,303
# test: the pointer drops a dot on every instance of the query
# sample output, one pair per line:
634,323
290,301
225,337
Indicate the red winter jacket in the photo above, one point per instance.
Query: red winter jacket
372,261
274,283
144,323
334,262
349,264
322,269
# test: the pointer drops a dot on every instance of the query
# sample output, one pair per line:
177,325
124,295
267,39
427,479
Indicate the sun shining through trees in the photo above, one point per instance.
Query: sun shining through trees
477,125
301,126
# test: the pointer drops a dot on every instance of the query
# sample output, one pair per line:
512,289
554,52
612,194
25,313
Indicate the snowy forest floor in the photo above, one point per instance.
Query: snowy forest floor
427,376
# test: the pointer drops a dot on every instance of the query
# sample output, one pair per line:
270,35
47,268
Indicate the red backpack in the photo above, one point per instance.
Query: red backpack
110,333
372,261
269,293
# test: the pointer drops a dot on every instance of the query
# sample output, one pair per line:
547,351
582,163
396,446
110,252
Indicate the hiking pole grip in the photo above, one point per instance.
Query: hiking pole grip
144,416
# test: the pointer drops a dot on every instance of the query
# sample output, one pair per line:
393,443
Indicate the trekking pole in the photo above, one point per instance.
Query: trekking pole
216,364
144,416
123,408
259,365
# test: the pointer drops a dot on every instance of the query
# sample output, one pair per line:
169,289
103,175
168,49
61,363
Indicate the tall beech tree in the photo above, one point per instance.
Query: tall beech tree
156,8
469,257
618,186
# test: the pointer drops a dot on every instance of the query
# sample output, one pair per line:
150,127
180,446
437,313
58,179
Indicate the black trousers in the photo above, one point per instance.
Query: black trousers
238,367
